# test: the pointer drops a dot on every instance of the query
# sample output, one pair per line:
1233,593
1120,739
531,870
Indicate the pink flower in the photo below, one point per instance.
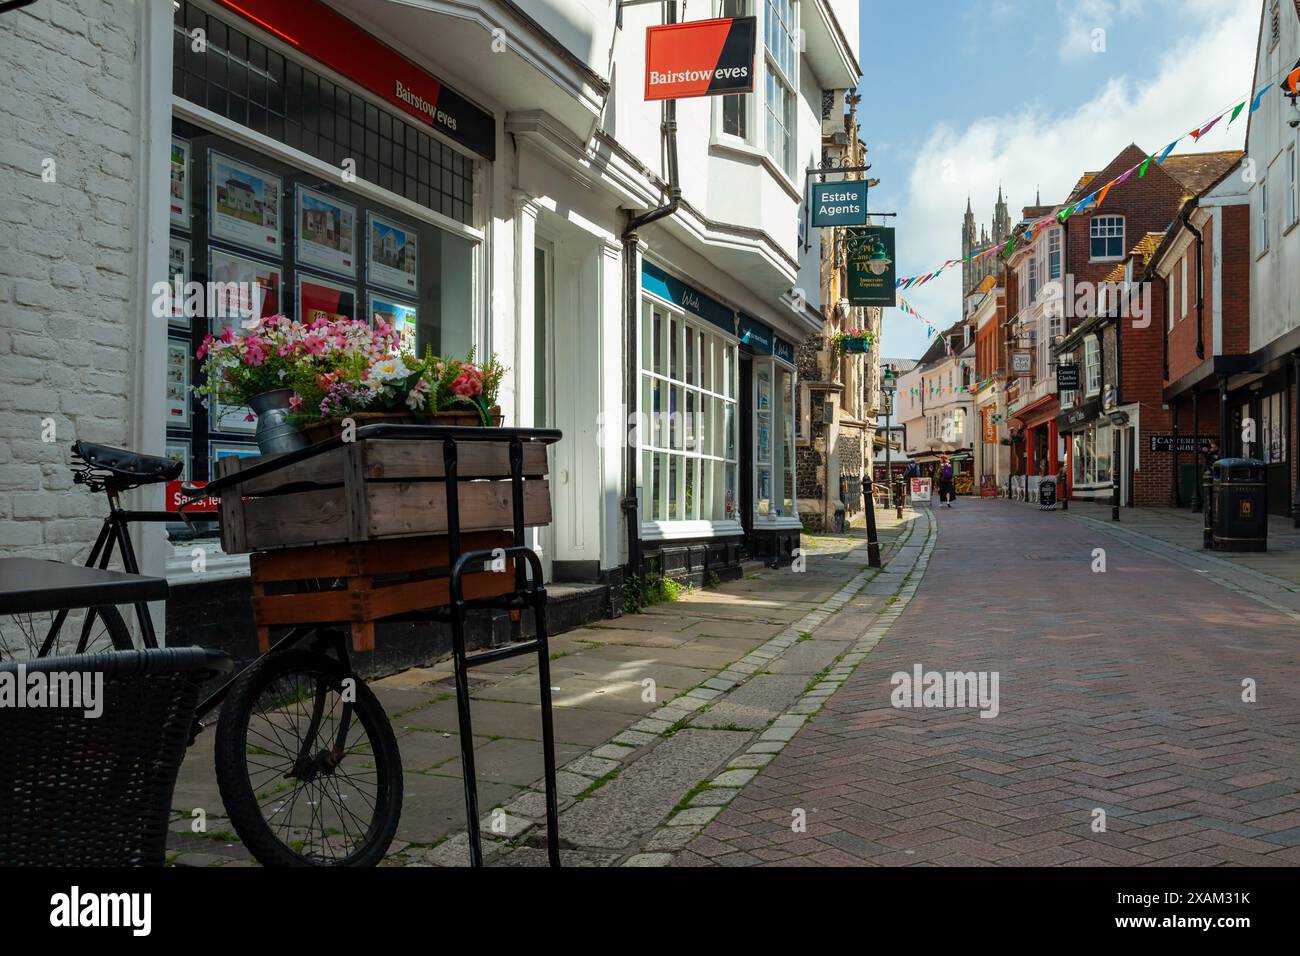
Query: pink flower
295,401
467,384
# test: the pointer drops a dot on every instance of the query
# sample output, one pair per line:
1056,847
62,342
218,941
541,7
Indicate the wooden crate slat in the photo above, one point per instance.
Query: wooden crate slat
395,509
325,470
398,508
283,521
393,460
367,557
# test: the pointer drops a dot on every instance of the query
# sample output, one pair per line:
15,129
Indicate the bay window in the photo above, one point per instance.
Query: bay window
735,107
781,75
688,397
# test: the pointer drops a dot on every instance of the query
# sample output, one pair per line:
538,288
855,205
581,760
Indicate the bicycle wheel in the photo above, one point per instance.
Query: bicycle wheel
99,629
308,778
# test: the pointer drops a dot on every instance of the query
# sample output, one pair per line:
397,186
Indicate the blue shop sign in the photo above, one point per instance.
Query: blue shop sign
839,204
655,280
755,334
783,350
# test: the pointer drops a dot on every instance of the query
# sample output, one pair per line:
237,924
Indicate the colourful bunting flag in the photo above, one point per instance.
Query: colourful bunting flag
1236,111
1259,97
1198,133
1170,148
1293,81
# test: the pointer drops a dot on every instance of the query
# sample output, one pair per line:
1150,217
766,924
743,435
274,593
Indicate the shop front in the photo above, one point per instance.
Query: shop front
324,178
1087,437
1259,424
716,478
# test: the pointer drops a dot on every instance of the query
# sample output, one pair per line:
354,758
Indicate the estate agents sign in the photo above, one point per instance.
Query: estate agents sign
700,58
839,204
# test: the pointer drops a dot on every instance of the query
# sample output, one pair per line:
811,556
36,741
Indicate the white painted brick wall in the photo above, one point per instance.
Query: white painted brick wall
68,253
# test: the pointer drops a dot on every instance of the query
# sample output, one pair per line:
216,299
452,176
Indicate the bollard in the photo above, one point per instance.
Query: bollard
873,540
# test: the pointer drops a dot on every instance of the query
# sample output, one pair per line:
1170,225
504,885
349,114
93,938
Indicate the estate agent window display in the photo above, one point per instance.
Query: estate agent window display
246,219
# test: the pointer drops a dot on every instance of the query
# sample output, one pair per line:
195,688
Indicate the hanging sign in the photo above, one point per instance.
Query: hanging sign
1022,362
839,204
869,251
1067,378
701,58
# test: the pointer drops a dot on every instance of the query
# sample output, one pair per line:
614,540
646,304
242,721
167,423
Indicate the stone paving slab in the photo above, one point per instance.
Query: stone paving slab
754,704
705,634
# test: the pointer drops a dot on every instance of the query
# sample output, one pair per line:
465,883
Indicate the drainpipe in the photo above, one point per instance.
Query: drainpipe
631,283
1200,278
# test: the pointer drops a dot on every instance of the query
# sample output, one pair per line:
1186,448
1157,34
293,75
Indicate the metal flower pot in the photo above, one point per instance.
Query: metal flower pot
275,435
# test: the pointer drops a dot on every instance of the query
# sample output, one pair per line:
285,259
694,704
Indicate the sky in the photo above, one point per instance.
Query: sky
961,96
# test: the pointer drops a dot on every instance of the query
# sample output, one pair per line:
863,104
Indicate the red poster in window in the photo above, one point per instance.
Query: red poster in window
320,299
702,58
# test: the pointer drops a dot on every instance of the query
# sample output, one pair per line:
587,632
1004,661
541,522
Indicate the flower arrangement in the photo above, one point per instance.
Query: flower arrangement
343,367
853,340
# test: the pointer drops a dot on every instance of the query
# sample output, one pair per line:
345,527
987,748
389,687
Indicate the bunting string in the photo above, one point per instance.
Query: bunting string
1291,82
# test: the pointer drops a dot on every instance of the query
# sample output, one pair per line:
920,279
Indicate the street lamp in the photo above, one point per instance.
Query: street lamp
888,387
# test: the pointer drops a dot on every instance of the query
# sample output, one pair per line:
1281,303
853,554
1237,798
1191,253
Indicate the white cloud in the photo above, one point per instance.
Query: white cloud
1086,22
1208,71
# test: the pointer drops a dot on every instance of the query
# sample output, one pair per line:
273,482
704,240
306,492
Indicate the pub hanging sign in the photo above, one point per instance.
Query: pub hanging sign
700,58
872,275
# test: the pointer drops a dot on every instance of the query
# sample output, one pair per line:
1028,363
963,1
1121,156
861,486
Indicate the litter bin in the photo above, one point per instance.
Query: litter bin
1240,521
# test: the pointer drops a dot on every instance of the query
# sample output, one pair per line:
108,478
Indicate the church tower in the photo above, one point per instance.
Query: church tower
1001,220
967,247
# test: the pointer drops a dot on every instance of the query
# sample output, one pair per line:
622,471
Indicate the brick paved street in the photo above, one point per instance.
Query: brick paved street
1119,691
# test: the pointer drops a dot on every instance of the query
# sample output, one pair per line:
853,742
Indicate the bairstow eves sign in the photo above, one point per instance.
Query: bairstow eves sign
702,58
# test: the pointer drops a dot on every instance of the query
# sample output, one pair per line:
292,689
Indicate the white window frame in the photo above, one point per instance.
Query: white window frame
1182,294
1292,187
750,100
1091,366
689,525
1098,223
778,71
1261,233
1053,254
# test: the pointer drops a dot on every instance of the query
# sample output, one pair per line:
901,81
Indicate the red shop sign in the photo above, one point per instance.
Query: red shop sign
335,41
701,58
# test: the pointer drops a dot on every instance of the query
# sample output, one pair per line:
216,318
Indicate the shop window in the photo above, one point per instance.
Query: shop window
1106,237
259,236
1272,428
255,86
774,494
688,442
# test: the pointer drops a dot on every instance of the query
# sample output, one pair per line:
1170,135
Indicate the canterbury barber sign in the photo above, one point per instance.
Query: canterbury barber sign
702,58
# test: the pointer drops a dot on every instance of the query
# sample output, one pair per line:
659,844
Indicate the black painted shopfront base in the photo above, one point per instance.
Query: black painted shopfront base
219,615
696,561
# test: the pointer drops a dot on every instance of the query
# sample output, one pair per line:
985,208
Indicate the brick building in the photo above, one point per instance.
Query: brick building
1113,327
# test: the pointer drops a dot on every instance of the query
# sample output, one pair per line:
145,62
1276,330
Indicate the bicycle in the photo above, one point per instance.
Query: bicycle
307,762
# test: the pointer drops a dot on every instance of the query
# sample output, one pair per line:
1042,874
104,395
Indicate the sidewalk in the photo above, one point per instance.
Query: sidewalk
728,660
1271,578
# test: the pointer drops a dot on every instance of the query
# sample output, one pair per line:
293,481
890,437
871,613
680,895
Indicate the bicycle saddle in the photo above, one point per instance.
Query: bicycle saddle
137,469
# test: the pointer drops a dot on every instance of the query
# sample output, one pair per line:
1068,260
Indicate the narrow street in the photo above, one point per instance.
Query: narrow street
1119,691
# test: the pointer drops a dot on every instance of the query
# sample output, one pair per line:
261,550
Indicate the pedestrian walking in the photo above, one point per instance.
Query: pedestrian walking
947,494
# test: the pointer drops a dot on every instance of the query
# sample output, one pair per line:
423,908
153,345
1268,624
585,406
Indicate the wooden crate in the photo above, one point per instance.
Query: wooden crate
360,583
377,489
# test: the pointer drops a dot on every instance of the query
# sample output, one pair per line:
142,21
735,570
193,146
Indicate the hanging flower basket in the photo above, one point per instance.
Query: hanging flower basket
853,340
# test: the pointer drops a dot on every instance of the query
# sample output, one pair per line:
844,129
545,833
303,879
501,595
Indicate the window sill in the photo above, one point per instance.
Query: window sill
1291,228
681,530
750,151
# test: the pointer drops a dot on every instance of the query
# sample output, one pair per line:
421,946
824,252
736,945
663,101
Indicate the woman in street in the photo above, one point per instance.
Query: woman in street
946,492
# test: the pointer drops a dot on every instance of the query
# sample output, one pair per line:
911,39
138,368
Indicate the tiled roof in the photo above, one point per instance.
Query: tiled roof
1199,171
